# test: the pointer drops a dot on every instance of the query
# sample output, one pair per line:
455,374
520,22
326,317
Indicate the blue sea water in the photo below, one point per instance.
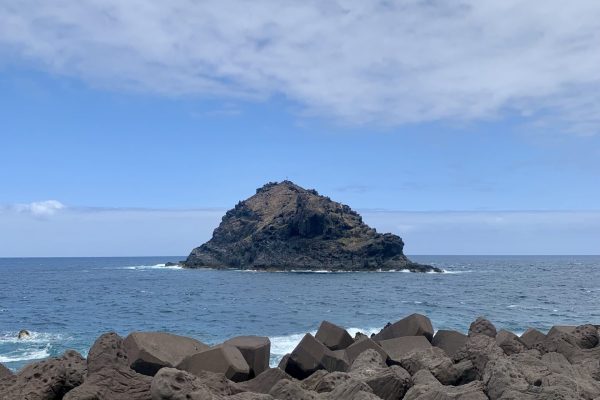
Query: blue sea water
68,302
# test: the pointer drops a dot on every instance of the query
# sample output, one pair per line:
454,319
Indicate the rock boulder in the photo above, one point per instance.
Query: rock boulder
413,325
311,355
397,348
225,359
46,380
264,382
449,341
364,344
482,326
109,375
531,337
150,351
333,336
256,351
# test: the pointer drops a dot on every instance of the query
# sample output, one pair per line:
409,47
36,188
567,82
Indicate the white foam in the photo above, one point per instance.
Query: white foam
34,338
25,355
156,266
282,345
313,271
366,331
445,271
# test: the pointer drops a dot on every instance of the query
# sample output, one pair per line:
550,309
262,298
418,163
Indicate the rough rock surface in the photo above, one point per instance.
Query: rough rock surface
286,227
290,390
46,380
150,351
434,360
256,351
361,345
428,388
109,375
174,384
531,337
449,341
509,342
482,326
398,347
564,365
224,359
264,382
311,355
387,383
333,336
413,325
4,372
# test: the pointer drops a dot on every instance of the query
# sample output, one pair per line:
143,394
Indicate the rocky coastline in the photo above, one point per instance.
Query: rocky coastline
406,360
285,227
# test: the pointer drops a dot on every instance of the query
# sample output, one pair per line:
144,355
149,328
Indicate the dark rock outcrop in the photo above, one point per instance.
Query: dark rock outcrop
286,227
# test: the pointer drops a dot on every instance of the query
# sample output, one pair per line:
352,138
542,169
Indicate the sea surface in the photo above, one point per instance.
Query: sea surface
66,303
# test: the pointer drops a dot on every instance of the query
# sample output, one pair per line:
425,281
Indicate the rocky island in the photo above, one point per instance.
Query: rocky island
285,227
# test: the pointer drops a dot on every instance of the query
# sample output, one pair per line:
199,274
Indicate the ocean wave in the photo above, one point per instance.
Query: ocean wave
34,338
156,266
26,355
325,271
282,345
314,271
445,271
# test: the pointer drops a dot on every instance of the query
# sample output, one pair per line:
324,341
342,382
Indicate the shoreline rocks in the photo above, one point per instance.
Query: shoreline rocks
285,227
407,361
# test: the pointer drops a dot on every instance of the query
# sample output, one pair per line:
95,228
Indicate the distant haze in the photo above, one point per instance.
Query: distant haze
106,232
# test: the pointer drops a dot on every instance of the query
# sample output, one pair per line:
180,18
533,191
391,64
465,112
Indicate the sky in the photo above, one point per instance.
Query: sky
467,127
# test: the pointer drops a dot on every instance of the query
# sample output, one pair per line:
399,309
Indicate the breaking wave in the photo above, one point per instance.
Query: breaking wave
25,355
282,345
156,266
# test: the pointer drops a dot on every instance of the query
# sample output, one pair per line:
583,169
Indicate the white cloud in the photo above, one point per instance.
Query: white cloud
40,208
356,61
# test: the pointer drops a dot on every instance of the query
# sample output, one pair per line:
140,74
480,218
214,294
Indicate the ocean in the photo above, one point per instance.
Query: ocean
66,303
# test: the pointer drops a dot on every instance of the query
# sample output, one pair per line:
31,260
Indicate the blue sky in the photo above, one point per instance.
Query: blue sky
434,120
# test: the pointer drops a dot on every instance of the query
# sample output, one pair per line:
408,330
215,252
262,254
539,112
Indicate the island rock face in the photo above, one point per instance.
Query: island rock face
286,227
